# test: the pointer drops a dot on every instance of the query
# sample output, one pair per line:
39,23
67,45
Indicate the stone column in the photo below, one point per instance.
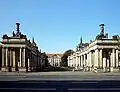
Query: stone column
68,60
93,59
117,58
112,63
24,57
28,62
108,64
96,58
90,60
82,61
73,61
6,57
20,57
79,61
101,60
13,58
10,58
3,57
87,62
76,61
104,62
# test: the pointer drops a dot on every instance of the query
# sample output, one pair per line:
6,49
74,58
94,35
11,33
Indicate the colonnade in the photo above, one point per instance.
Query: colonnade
98,58
9,57
19,58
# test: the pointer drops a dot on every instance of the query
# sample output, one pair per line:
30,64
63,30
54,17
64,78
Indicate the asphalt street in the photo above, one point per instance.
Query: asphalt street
60,86
59,82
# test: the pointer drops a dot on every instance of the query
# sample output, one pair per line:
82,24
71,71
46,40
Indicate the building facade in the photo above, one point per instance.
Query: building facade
54,59
17,53
101,54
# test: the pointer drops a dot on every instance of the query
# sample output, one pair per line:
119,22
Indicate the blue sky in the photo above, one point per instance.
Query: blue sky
57,25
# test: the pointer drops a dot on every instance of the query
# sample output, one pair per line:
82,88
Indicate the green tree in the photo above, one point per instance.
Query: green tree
64,58
44,58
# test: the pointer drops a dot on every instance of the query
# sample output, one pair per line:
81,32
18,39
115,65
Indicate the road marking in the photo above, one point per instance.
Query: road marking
32,82
86,82
28,88
93,88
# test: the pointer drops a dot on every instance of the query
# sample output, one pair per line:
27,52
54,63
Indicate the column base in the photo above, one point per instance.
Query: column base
90,69
104,69
22,69
95,69
13,69
87,68
4,69
81,68
111,69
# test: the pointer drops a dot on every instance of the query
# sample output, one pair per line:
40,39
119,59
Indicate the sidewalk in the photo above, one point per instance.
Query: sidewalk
57,73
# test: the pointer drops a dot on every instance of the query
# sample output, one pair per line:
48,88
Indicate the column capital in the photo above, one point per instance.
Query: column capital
3,46
97,48
113,49
116,48
100,48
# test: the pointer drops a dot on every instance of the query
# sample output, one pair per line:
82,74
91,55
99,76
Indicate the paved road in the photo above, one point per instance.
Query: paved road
61,82
60,86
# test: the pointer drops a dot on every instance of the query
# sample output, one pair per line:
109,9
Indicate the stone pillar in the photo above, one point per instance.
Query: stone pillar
90,60
24,57
73,61
87,62
68,60
101,60
112,63
84,63
28,62
117,58
81,62
104,62
84,60
108,64
6,57
20,57
93,59
96,58
3,57
76,61
13,58
10,58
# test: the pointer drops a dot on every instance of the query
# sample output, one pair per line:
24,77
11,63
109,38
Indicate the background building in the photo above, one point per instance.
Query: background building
101,54
54,59
17,53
